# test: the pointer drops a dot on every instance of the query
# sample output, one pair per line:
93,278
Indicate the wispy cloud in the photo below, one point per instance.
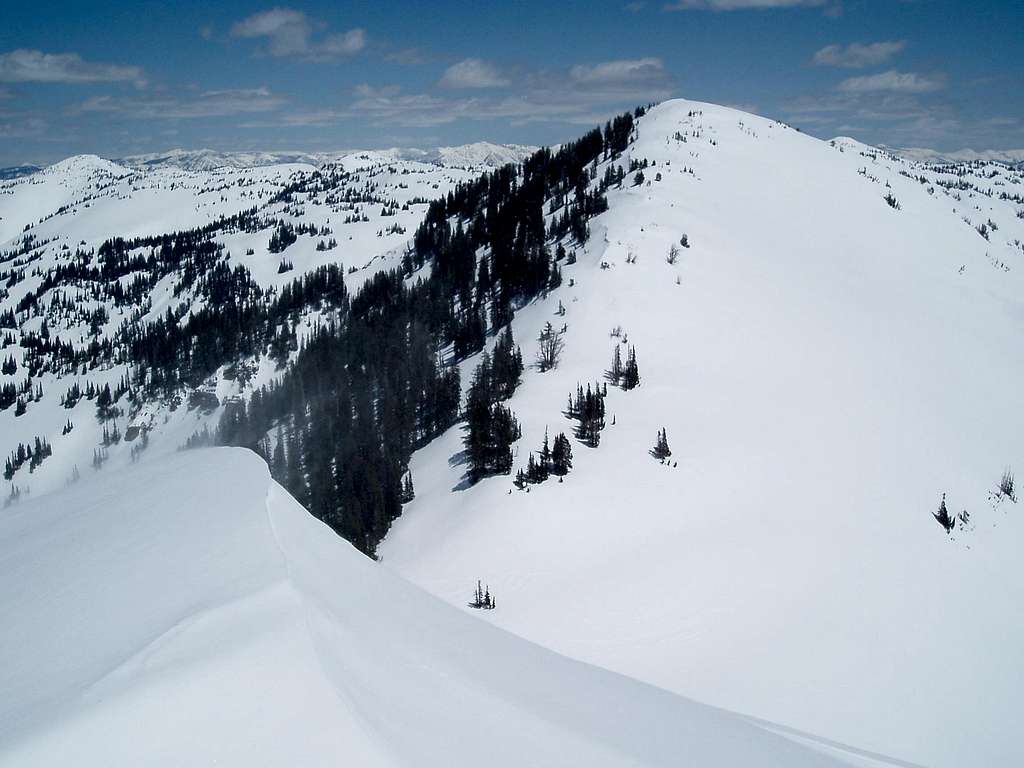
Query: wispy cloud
620,71
32,66
22,127
289,32
409,57
858,55
218,103
740,5
473,73
583,94
892,82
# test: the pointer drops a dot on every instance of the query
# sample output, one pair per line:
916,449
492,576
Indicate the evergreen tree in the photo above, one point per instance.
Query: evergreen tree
491,427
614,374
943,517
630,373
408,492
661,451
561,455
506,365
278,465
588,410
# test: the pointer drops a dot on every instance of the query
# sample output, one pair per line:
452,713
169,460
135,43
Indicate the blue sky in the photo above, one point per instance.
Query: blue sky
118,78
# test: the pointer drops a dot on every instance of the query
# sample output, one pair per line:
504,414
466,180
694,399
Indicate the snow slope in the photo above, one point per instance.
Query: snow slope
190,612
826,366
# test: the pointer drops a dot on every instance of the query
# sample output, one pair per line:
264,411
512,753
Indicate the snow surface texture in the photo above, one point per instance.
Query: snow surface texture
826,366
189,612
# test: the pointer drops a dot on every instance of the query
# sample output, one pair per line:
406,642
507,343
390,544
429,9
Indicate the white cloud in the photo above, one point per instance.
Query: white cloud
21,127
473,73
893,82
408,57
739,5
621,71
31,66
220,103
289,32
345,44
857,55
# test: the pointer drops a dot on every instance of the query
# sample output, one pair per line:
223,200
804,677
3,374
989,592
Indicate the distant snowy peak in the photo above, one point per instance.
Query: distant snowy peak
481,154
200,160
17,171
924,155
86,166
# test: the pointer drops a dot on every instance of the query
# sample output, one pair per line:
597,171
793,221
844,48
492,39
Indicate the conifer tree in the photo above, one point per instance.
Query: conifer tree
631,372
278,465
408,492
561,455
943,517
661,451
614,374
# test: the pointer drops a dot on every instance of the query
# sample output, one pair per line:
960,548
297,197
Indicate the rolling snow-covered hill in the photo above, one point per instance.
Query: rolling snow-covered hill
827,366
189,612
369,204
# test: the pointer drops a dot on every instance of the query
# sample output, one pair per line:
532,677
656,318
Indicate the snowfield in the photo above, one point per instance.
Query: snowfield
189,612
826,367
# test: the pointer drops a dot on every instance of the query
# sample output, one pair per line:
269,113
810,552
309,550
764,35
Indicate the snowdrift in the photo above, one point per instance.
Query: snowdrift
190,612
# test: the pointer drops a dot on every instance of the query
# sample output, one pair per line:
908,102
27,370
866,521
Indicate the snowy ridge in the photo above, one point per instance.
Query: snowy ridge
216,622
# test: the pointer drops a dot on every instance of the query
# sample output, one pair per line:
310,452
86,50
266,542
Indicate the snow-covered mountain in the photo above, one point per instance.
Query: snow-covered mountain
825,330
923,155
480,154
827,365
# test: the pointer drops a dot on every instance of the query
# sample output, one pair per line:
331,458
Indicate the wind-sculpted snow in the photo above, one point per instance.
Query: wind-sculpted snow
190,612
826,365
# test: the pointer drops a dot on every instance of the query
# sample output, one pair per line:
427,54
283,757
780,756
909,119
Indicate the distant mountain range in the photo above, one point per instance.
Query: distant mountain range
481,153
15,171
924,155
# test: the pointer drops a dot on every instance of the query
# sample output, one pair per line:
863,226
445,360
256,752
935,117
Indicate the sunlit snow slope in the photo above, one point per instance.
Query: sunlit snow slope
189,612
826,365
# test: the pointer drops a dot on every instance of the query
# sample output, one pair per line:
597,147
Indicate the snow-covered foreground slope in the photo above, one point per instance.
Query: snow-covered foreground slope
826,366
190,612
